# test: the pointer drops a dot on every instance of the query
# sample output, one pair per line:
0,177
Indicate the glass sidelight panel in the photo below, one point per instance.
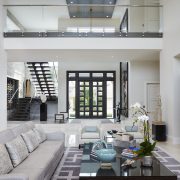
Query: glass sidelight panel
72,89
110,100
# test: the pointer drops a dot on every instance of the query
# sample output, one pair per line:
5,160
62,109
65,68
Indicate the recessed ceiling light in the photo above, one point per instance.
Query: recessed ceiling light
112,56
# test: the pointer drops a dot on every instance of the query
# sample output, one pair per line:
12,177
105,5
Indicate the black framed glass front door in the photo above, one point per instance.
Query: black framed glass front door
91,94
91,99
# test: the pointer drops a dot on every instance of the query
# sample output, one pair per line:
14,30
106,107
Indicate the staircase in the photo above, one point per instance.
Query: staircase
42,78
22,111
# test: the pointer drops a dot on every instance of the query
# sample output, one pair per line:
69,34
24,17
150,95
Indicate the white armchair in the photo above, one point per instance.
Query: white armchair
135,131
90,132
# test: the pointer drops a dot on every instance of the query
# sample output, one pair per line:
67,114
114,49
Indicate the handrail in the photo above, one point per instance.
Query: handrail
10,101
55,72
82,5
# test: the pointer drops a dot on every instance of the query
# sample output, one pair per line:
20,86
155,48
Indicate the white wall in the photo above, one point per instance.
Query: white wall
16,70
83,43
170,69
142,72
144,19
3,74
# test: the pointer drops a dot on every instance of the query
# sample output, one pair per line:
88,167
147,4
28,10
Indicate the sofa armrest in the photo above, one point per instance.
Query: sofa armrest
56,136
14,176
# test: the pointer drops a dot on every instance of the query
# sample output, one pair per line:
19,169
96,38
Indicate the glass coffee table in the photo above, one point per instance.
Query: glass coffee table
91,169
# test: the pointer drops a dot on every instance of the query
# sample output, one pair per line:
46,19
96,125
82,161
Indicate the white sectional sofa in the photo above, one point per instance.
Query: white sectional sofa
42,162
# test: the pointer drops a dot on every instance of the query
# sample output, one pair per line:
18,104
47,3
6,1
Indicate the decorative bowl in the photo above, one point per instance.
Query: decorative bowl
114,131
106,155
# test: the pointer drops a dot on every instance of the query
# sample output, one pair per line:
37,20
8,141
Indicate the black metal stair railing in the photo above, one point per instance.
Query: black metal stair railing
42,78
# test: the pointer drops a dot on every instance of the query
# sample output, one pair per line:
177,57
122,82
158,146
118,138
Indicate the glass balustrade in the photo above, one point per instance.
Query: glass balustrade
78,18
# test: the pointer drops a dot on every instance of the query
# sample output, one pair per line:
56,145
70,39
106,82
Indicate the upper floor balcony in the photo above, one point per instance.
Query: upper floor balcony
85,18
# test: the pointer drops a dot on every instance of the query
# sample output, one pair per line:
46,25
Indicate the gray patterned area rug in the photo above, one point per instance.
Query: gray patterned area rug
69,166
168,161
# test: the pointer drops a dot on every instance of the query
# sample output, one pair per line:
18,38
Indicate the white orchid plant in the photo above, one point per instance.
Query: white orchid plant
139,114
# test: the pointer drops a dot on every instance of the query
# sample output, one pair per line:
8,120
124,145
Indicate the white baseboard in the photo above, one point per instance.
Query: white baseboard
176,140
173,140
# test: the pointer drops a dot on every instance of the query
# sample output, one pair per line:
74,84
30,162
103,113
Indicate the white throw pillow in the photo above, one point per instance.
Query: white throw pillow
31,140
5,161
40,134
17,150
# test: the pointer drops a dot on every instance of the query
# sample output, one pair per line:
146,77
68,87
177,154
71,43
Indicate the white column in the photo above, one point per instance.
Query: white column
3,74
170,69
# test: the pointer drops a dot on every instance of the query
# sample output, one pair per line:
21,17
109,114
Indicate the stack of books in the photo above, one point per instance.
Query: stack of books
128,153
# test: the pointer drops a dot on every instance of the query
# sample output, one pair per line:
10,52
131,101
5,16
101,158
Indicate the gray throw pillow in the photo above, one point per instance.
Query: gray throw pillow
37,135
41,135
17,150
31,140
131,128
90,128
5,161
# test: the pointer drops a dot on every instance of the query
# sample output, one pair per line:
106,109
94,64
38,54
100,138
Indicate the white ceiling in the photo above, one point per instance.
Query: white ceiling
82,55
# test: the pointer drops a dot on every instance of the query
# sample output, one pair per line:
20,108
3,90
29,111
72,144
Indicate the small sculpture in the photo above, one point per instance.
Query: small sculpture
43,97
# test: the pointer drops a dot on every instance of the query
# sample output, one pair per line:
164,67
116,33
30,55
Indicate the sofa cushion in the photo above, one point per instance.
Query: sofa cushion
51,146
41,133
6,136
40,161
31,140
5,161
90,135
32,173
17,150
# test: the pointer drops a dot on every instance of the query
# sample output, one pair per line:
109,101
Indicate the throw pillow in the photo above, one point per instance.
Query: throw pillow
5,161
37,135
90,129
131,128
41,133
31,140
17,150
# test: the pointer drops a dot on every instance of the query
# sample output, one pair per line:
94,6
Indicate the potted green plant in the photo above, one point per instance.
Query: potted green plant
139,114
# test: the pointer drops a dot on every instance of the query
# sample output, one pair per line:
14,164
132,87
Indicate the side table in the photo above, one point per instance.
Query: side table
158,131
